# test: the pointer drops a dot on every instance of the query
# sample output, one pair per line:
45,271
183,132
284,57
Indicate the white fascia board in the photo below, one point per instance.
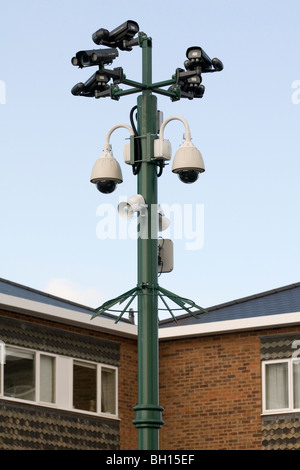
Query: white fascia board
67,316
229,326
106,325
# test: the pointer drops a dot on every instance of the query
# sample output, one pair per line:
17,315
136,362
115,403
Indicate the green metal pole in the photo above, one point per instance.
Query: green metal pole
148,412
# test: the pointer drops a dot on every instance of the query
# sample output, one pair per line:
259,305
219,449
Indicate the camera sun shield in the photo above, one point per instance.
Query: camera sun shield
197,57
119,37
94,57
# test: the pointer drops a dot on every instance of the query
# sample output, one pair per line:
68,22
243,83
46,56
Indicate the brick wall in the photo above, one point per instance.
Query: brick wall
128,392
210,388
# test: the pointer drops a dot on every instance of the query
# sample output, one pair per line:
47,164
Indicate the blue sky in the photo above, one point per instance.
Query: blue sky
246,126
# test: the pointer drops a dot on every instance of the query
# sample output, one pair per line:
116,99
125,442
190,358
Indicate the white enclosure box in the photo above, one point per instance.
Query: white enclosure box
165,256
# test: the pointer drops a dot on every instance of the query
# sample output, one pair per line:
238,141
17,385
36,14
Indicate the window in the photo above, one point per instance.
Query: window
281,385
19,374
296,383
28,375
47,379
94,388
108,391
59,381
84,386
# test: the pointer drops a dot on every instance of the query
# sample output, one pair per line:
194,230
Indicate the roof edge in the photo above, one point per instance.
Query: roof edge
235,302
65,316
229,326
45,294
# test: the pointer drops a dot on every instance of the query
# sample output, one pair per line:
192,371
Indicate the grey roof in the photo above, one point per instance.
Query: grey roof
274,302
18,290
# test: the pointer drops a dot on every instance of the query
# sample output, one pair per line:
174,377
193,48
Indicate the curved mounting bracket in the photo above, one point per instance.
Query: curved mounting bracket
187,134
107,146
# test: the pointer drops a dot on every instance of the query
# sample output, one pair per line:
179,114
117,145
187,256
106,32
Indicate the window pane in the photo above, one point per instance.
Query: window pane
2,352
296,378
84,386
108,391
2,362
277,386
19,375
47,379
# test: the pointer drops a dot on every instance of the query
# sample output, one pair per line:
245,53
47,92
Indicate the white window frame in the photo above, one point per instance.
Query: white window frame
36,363
63,383
99,368
37,377
115,369
290,408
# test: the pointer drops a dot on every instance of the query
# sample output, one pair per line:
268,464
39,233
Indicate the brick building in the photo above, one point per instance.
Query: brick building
228,380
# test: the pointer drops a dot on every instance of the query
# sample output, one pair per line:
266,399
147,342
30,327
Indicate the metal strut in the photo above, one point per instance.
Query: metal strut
182,302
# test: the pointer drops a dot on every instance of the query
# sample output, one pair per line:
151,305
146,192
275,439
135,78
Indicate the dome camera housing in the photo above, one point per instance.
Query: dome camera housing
106,173
188,163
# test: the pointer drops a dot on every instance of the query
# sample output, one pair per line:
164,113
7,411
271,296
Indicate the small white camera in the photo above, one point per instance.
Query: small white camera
134,204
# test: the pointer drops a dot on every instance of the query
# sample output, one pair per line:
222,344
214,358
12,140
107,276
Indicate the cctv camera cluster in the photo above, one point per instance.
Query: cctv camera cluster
190,80
97,85
186,83
188,161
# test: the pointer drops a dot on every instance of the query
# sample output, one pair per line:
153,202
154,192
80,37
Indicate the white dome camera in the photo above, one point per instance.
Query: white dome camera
188,163
106,173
